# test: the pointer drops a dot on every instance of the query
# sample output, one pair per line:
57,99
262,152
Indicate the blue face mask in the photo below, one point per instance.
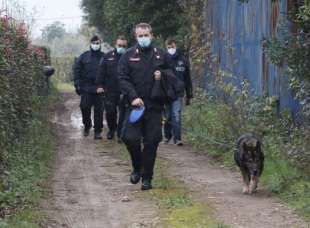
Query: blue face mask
120,50
144,41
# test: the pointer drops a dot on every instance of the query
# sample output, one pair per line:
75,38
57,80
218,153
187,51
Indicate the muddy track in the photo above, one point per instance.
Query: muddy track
221,187
89,186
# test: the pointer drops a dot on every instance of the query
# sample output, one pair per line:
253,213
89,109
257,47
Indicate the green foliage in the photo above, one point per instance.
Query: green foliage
293,50
24,142
214,122
63,66
117,17
63,77
21,81
27,169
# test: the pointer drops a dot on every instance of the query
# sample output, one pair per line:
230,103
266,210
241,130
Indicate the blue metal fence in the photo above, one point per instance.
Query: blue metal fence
238,30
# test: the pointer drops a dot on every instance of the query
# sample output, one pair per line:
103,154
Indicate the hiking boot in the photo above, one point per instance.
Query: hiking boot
146,185
97,136
86,132
110,135
179,143
135,177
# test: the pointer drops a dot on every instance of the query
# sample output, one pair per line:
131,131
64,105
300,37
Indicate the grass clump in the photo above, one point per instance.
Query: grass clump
24,182
177,207
214,125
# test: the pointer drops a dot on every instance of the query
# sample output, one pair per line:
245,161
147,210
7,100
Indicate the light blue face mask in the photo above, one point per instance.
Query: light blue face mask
144,41
120,50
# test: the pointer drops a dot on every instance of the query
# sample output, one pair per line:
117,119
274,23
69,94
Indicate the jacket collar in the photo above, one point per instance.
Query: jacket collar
176,55
144,49
114,53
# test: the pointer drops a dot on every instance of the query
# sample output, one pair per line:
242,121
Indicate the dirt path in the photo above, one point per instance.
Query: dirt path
89,185
221,187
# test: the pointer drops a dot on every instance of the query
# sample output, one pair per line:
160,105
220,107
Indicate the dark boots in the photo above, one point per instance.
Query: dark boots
135,177
146,184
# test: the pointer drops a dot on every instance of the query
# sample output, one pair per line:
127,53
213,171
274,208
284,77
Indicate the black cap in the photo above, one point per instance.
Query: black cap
94,38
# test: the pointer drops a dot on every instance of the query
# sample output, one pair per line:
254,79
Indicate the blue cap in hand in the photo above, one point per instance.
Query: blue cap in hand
136,114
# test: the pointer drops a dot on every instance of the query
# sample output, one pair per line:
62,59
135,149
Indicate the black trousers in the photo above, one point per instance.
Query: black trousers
87,102
142,140
121,115
111,102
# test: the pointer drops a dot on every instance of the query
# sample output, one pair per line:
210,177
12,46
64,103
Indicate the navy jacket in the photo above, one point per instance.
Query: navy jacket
107,76
136,73
181,68
85,71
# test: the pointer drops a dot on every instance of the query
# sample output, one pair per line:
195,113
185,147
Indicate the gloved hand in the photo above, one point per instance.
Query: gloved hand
78,90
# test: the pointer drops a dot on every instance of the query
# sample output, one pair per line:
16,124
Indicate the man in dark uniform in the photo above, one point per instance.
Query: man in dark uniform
181,67
138,68
85,72
107,81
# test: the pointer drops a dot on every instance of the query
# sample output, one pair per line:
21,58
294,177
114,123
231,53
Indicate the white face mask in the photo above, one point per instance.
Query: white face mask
120,50
172,51
95,47
144,42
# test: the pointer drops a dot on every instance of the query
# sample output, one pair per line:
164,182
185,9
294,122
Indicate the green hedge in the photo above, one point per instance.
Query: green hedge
21,81
22,85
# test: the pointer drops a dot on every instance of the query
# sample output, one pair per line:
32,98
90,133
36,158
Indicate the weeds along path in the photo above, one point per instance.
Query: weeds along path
90,189
89,186
222,189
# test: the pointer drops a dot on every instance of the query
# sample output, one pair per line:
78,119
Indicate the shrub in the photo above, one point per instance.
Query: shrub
21,86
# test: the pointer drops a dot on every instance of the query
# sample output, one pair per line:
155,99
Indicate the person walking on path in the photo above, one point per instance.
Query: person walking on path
138,68
85,72
108,84
173,111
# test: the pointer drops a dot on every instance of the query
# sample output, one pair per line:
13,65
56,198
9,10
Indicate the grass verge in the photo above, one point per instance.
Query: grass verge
206,121
24,182
63,87
178,209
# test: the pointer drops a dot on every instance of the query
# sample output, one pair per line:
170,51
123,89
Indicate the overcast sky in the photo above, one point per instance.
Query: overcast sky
48,11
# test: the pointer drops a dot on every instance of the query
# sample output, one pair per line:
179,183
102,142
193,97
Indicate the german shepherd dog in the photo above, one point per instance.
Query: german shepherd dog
250,159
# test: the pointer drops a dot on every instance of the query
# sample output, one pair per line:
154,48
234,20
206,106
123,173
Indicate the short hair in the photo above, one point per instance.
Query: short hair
170,41
121,38
143,26
95,38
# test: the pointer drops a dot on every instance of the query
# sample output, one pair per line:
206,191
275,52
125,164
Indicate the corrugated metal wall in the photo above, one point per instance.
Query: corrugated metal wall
238,30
